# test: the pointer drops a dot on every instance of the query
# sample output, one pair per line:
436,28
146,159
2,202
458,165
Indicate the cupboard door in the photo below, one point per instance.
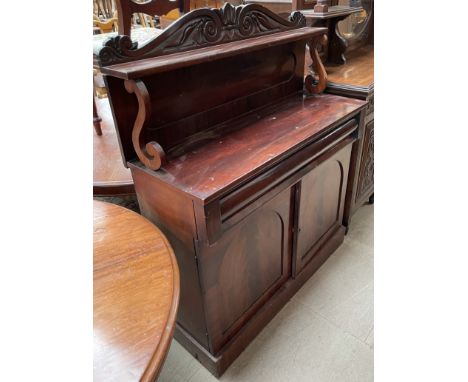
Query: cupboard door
246,266
321,198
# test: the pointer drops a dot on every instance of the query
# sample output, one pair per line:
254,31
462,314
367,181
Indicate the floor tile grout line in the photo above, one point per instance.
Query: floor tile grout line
344,330
370,331
360,243
333,324
337,304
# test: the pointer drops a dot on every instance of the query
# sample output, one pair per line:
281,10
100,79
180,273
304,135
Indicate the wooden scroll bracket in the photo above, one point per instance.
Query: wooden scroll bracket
313,84
150,154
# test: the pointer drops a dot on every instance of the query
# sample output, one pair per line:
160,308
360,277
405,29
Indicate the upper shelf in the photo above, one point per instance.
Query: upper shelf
149,66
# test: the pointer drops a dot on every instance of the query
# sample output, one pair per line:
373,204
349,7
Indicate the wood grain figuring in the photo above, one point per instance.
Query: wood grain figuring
174,215
358,70
110,176
213,163
136,295
254,253
322,197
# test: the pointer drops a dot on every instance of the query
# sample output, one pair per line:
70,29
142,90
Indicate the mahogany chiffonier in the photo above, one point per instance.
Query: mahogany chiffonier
238,159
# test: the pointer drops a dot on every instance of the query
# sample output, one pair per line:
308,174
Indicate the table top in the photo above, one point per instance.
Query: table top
358,70
333,11
136,295
110,176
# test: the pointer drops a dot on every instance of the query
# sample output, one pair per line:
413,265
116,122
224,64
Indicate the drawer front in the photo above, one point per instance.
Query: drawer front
242,269
320,204
248,197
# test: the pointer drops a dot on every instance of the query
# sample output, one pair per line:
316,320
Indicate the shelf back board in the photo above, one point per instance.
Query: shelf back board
209,66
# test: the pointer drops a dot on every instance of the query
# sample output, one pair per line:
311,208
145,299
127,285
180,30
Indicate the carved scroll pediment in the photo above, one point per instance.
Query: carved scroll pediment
117,48
200,28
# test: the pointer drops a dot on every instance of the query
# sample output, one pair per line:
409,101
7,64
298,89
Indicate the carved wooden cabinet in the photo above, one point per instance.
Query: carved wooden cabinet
356,79
238,159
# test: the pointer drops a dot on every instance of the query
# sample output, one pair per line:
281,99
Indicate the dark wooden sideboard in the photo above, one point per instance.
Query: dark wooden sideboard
356,79
240,161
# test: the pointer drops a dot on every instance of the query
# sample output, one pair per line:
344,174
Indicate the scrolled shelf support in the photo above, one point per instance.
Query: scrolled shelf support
316,82
151,154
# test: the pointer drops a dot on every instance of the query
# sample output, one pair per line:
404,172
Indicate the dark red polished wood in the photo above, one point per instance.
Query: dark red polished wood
337,45
211,165
135,294
238,160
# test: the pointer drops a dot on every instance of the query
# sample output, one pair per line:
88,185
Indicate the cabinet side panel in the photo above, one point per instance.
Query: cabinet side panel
173,214
365,185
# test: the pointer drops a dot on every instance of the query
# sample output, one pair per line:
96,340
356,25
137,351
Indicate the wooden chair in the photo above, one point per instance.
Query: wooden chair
195,4
146,21
107,26
168,19
126,9
104,8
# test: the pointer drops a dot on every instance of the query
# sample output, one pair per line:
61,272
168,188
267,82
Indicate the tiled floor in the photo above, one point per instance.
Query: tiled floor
325,333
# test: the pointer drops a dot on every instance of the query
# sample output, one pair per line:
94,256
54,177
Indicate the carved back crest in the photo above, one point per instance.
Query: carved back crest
200,28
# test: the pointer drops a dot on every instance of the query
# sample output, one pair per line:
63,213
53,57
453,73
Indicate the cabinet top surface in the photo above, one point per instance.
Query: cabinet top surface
135,295
214,164
358,70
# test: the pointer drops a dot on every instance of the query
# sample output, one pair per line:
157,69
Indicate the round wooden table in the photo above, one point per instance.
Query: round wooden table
136,295
110,176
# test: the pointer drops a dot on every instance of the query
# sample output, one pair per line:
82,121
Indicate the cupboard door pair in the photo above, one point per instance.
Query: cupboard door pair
320,198
253,258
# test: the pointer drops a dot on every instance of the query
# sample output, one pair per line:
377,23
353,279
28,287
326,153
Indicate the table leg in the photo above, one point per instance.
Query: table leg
96,119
